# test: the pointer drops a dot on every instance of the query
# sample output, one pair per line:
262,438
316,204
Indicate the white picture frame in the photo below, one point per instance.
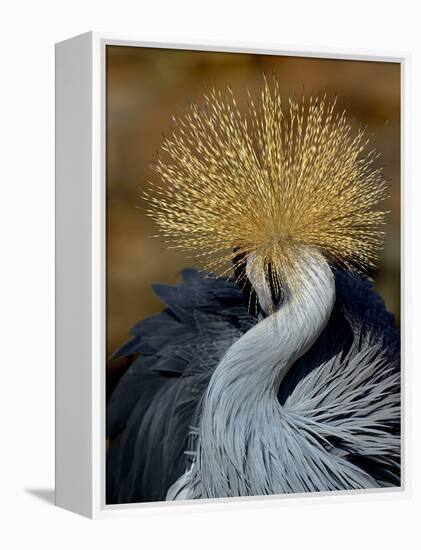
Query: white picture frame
80,274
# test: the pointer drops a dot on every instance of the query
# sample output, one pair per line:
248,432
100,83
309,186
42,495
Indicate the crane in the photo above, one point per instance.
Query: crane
274,368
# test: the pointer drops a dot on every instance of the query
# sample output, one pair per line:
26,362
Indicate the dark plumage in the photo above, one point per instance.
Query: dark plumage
173,354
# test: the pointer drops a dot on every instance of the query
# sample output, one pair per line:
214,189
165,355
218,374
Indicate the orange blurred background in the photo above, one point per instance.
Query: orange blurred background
146,86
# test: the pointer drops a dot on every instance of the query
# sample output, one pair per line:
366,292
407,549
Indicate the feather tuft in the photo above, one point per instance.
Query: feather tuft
273,182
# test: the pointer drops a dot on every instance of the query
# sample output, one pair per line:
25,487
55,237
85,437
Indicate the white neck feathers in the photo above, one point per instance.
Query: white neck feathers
241,399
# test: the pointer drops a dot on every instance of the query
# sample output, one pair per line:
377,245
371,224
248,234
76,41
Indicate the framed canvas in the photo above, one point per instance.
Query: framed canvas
229,255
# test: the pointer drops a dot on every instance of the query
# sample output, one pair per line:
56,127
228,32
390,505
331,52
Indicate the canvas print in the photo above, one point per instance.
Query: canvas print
253,275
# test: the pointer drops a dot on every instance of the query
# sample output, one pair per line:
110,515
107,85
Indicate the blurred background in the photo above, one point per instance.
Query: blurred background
146,86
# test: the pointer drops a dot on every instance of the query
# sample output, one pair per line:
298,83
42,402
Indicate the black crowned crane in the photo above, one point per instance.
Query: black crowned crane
283,375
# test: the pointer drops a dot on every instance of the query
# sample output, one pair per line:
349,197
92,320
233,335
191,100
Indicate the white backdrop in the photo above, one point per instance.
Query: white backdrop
29,30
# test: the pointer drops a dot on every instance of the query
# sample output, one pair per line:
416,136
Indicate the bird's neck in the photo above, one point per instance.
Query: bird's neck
242,395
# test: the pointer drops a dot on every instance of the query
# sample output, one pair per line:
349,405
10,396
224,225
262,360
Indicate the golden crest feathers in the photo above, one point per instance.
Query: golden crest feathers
271,182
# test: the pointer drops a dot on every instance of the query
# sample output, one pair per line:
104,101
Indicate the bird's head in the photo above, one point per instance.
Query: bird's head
268,189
